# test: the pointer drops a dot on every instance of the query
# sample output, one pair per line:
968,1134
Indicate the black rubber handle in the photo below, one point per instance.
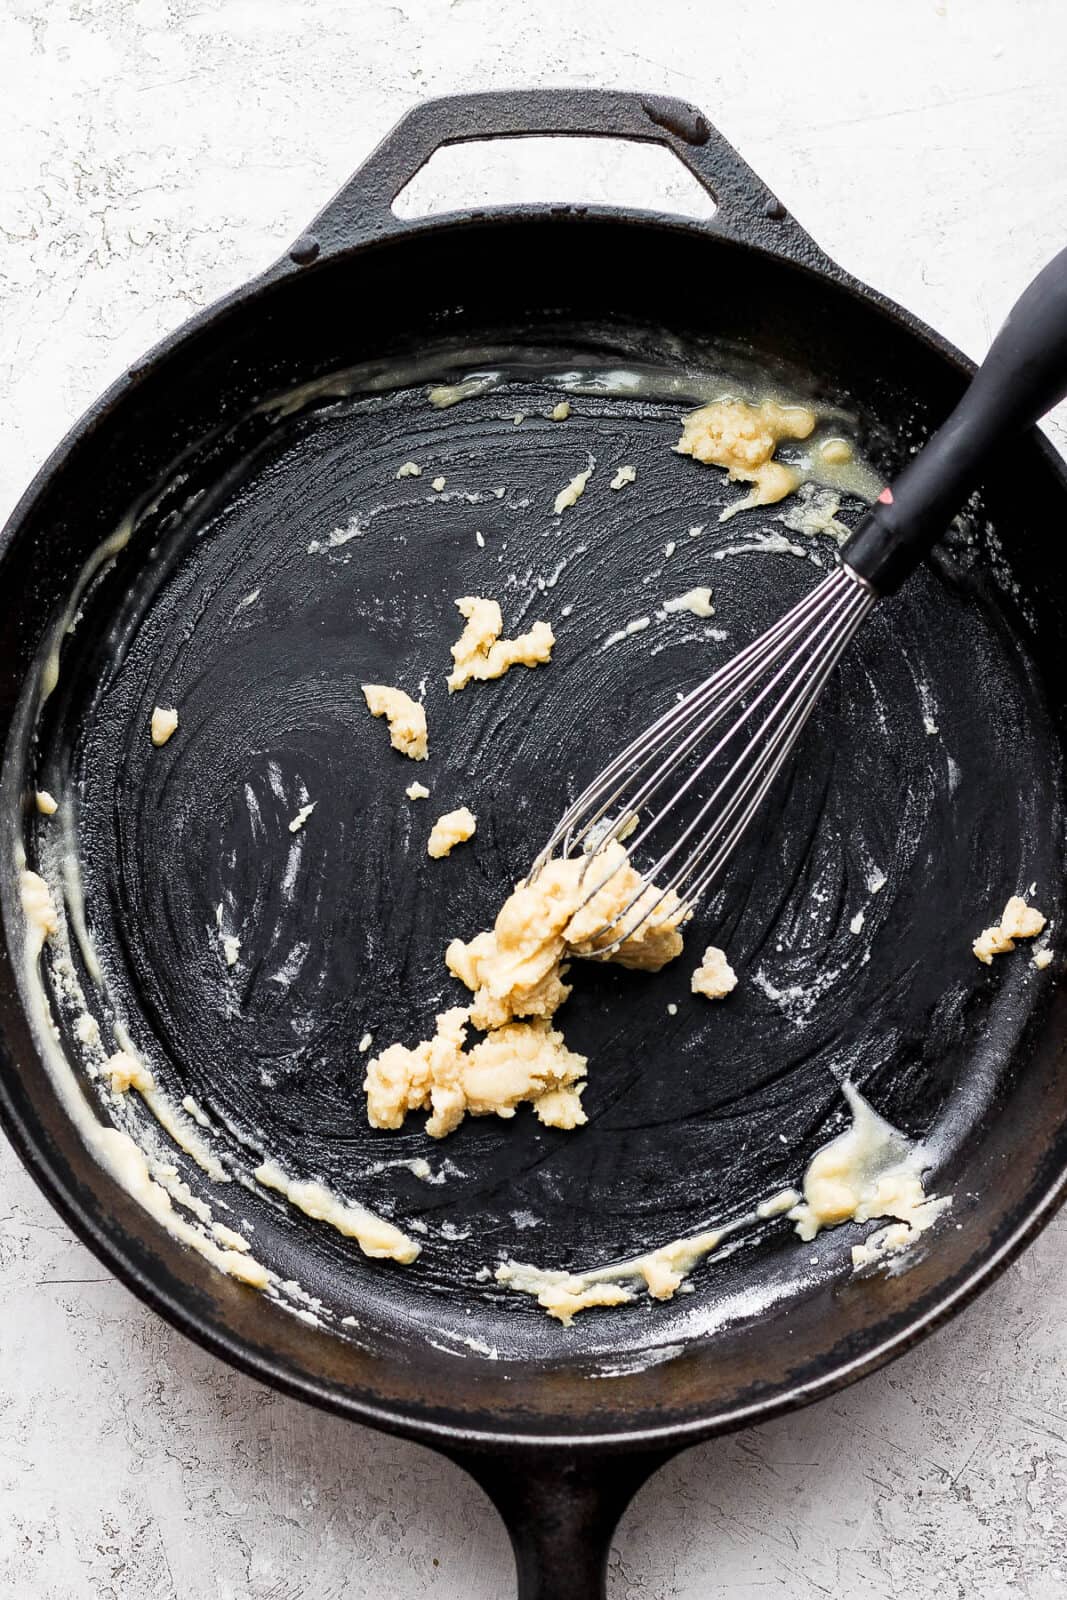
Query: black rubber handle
746,209
560,1509
1023,376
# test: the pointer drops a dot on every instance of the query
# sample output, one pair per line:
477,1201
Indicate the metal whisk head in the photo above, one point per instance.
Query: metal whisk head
730,737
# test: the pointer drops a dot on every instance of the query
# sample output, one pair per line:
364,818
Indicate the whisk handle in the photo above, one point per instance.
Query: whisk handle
1023,376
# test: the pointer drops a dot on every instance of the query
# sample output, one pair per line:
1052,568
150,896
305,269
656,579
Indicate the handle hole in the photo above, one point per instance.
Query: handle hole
560,171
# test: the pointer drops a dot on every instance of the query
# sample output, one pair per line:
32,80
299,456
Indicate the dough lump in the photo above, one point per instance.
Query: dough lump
697,600
302,815
126,1072
835,452
163,724
406,718
743,438
42,919
714,977
516,968
572,492
524,1061
480,653
515,972
448,831
1018,921
1021,921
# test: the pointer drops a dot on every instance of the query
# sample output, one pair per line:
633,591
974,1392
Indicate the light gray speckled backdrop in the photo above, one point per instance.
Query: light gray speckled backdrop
152,154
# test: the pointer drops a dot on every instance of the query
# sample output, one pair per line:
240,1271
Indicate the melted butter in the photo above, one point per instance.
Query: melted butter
112,546
153,1183
829,457
112,1147
853,476
372,1233
814,510
870,1171
443,395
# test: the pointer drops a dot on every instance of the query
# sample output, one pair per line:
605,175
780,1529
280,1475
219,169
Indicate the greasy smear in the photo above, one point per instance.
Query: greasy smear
372,1233
870,1171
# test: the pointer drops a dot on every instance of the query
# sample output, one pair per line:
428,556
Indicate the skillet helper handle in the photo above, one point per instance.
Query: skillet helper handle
361,211
560,1509
1023,376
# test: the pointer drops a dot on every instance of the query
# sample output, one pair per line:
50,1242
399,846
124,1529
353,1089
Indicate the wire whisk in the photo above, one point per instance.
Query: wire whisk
767,691
765,695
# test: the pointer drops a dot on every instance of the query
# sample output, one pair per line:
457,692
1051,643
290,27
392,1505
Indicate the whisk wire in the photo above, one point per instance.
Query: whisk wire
825,623
736,677
783,672
769,747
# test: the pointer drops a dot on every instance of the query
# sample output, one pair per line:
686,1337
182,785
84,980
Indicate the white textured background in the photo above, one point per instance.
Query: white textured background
153,153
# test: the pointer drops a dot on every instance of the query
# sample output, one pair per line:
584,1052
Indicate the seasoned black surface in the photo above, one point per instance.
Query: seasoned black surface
977,1056
221,609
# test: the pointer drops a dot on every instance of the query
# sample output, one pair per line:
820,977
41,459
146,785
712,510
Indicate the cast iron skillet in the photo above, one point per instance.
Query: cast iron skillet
218,605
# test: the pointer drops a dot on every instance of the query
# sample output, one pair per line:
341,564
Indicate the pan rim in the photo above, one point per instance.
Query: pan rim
669,1437
106,1242
283,271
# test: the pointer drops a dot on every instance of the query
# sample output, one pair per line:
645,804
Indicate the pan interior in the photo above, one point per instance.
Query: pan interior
288,565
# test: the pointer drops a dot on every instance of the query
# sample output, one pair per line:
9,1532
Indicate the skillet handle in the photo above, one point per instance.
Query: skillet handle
560,1509
361,211
1022,377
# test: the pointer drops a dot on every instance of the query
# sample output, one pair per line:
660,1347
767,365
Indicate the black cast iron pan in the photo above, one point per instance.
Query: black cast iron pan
231,463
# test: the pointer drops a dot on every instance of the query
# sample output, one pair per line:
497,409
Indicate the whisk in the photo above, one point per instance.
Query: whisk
727,740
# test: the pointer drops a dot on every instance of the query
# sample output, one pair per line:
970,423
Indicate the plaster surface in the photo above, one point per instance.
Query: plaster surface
156,153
